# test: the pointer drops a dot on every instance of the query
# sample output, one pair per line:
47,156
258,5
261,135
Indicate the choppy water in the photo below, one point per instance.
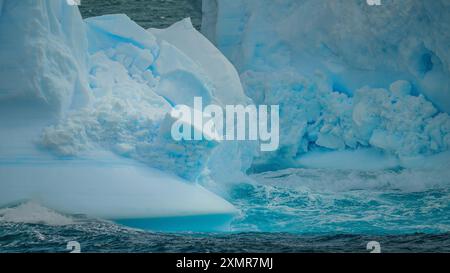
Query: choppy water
345,201
294,210
147,13
97,236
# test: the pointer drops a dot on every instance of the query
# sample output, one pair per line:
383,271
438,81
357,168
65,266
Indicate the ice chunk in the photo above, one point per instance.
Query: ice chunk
401,88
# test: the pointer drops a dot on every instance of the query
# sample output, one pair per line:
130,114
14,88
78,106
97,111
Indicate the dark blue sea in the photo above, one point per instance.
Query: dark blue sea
293,210
147,13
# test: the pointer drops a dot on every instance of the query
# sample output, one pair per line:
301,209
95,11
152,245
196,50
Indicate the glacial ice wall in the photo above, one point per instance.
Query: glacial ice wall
353,42
106,84
347,75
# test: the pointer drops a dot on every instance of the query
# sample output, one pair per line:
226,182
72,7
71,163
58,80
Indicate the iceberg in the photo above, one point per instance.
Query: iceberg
347,75
85,105
85,117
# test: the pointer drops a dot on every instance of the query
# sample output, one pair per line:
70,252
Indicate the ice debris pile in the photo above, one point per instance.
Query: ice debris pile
347,75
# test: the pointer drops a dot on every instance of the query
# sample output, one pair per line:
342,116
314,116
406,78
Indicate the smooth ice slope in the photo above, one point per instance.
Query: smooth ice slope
85,116
227,88
345,74
115,189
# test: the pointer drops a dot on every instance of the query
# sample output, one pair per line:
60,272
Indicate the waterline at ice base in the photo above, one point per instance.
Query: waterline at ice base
364,127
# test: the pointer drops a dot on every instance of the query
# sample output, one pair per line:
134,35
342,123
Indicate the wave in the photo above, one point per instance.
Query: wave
34,213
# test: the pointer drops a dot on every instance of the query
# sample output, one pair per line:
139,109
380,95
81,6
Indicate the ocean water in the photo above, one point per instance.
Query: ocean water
147,13
293,210
104,237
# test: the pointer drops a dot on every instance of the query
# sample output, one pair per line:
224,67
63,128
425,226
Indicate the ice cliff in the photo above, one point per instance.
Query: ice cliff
111,84
347,75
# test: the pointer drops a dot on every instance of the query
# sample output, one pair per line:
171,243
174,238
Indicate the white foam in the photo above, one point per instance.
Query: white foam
34,213
335,180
